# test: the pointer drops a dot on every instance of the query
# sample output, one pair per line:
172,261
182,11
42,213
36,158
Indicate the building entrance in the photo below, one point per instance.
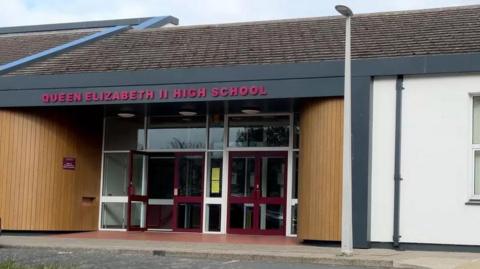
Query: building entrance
165,191
257,191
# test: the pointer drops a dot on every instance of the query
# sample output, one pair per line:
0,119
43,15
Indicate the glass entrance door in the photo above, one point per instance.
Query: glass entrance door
256,201
188,192
161,175
137,193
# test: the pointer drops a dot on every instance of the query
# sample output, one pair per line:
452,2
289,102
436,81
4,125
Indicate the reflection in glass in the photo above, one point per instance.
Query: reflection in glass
215,168
215,132
137,209
190,175
213,218
114,215
273,176
124,134
476,120
115,178
258,131
243,176
137,174
271,217
189,216
241,216
294,219
477,173
177,132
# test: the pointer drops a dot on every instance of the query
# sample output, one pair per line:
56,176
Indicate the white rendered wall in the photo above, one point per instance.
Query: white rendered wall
436,161
383,150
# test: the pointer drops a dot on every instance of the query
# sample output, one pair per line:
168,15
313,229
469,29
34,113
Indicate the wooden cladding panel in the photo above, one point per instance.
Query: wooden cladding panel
36,193
320,170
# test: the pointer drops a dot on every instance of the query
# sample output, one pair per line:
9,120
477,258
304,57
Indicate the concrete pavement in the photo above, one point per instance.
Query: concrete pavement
258,252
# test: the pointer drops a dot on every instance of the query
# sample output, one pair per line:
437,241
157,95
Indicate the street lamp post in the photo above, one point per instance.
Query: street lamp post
347,240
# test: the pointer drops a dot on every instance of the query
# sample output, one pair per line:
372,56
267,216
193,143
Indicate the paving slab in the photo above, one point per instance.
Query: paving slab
299,253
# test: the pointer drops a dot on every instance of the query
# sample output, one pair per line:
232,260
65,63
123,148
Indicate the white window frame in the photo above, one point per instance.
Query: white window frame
472,149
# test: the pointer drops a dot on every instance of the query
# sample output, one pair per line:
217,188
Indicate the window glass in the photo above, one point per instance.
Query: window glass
137,174
114,215
215,169
137,214
271,217
189,216
294,219
190,175
272,179
296,131
241,216
177,132
477,173
115,174
258,131
161,173
160,216
216,132
295,176
213,214
243,176
124,134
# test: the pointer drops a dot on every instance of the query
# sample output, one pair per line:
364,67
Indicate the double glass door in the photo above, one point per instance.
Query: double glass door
257,191
165,191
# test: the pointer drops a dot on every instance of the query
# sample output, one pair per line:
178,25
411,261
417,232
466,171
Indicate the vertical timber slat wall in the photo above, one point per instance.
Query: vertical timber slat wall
320,170
36,193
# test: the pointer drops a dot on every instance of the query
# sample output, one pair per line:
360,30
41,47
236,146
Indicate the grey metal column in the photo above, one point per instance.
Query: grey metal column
398,156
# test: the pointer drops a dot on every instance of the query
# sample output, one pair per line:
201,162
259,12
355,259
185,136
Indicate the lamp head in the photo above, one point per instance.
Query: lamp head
344,10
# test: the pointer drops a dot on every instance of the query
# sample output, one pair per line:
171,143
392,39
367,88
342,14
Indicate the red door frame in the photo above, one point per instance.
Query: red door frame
187,199
132,197
256,198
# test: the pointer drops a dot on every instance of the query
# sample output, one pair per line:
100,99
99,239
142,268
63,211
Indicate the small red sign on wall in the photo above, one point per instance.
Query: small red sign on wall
69,163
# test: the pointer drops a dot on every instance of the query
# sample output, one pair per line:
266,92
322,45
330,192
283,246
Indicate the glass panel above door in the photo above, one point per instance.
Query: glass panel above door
258,131
177,132
124,133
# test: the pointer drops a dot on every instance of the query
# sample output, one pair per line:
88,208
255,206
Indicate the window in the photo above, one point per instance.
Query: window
476,146
124,134
216,132
115,174
258,131
114,215
214,178
177,132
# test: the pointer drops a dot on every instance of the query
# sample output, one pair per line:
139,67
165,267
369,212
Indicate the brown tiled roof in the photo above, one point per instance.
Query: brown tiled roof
394,34
17,46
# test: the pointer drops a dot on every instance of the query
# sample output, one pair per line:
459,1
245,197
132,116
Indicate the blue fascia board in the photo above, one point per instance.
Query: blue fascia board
156,22
61,48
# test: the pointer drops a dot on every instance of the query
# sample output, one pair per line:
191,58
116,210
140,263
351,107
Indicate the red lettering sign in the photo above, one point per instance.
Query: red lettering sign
148,94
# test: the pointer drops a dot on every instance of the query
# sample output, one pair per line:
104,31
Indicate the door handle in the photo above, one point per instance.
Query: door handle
175,192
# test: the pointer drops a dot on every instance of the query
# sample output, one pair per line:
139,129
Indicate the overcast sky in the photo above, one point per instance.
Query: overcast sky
27,12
